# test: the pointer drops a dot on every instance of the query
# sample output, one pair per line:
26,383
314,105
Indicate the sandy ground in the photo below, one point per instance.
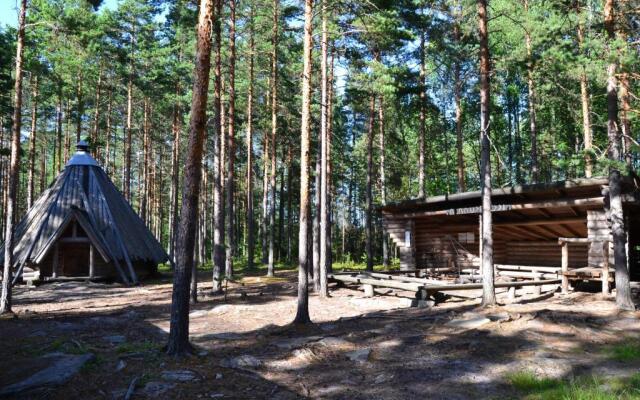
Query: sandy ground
358,348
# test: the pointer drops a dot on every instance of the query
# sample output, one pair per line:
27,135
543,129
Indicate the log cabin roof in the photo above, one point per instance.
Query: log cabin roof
527,212
542,193
84,192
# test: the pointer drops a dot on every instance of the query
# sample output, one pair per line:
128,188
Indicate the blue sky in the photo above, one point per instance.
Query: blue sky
9,11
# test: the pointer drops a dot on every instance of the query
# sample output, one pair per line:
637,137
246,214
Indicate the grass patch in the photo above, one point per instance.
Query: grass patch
138,347
625,351
526,381
532,387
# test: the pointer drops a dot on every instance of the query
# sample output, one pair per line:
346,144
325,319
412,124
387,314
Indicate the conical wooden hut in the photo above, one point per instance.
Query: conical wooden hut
82,227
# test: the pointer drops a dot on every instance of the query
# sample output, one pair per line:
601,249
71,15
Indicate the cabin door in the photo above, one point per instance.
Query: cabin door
74,259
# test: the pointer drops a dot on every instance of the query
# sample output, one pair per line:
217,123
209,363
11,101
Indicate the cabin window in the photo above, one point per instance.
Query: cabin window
466,237
407,238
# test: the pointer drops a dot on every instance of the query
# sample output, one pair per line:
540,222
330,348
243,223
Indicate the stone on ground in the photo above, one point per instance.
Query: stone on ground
182,375
62,367
468,323
361,355
155,389
240,362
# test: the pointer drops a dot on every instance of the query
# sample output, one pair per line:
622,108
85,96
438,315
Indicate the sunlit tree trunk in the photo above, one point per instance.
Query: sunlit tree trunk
488,290
14,168
218,159
383,181
249,183
231,150
302,312
274,132
32,141
324,156
423,118
616,214
586,112
107,135
59,128
79,107
178,343
369,188
96,116
535,169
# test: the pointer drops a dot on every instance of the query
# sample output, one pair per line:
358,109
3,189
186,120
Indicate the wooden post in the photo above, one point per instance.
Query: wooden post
605,268
537,289
54,272
91,261
368,290
565,267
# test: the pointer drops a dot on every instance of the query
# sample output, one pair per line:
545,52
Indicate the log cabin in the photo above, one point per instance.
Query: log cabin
82,227
560,224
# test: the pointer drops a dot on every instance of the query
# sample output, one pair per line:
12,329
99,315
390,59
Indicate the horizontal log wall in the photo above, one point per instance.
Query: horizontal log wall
599,229
396,229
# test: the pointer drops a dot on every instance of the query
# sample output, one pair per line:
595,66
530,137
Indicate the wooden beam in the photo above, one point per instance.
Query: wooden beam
565,267
529,233
91,262
570,229
54,268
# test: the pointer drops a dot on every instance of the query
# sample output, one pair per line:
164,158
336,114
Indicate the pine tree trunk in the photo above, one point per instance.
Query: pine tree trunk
249,184
43,164
175,162
107,135
383,181
457,87
423,118
80,107
535,169
14,168
616,213
586,112
329,227
265,199
302,313
127,142
59,128
178,343
289,200
218,160
96,116
369,188
625,123
231,150
274,132
32,141
488,290
324,157
316,223
145,163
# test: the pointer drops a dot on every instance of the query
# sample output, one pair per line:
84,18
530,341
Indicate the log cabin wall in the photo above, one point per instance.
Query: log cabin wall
401,233
459,248
599,230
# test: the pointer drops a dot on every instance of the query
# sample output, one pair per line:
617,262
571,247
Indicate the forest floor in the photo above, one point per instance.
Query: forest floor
553,346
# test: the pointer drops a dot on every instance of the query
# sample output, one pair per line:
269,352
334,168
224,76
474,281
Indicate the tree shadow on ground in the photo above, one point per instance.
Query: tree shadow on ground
410,353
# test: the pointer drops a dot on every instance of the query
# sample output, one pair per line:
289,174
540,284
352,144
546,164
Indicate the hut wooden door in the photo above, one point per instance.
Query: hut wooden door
75,259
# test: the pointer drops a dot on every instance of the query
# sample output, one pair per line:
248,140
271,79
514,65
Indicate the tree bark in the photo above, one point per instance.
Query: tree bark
127,142
369,188
178,343
302,312
586,112
14,168
274,132
32,141
96,116
231,150
616,214
324,156
107,135
624,117
218,160
535,169
249,184
423,118
316,223
80,107
488,290
383,184
59,128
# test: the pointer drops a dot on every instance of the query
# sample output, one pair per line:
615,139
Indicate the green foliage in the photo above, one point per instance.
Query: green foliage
532,387
626,351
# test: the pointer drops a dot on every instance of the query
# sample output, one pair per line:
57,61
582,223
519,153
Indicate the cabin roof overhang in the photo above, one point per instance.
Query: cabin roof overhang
569,193
531,212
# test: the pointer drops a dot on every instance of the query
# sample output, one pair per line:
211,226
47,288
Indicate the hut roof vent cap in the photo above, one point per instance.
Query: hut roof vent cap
82,156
